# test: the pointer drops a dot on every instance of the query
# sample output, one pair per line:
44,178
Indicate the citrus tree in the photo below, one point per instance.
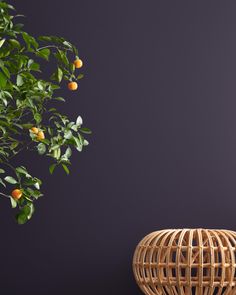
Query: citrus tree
27,121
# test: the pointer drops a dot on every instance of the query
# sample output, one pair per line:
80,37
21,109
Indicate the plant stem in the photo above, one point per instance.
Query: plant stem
53,46
7,196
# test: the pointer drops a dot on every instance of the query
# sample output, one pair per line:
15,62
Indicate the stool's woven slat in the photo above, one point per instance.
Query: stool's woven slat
186,262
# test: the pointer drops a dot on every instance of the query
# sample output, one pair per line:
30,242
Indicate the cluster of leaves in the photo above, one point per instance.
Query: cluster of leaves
31,191
25,103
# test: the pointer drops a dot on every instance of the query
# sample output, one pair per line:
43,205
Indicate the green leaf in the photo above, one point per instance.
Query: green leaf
34,193
25,214
31,210
2,42
10,179
68,134
72,67
2,171
30,61
8,94
38,118
78,144
37,185
30,181
34,67
79,121
67,44
54,147
4,5
26,39
45,38
85,143
52,168
66,169
61,56
22,170
3,80
27,126
15,43
41,148
21,218
44,53
46,141
6,72
57,153
13,202
85,130
59,99
30,41
40,85
68,152
59,74
26,209
80,76
19,80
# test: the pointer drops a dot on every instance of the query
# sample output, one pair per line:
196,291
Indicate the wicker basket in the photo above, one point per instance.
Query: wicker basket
186,261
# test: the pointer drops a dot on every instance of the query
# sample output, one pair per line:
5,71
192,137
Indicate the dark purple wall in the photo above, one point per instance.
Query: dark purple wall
160,96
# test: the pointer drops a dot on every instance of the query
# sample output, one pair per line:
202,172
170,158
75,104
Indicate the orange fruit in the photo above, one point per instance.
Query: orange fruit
35,130
72,86
40,135
16,194
78,63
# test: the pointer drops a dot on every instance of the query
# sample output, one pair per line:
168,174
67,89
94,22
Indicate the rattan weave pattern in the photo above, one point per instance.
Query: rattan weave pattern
186,261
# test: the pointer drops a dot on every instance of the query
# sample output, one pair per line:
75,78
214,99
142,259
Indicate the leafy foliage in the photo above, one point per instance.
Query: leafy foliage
26,120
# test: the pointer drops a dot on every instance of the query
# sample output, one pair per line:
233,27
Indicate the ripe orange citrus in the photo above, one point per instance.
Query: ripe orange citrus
72,86
16,194
35,130
40,135
78,63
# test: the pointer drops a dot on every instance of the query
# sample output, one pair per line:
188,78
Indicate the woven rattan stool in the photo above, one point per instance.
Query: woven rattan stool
186,261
